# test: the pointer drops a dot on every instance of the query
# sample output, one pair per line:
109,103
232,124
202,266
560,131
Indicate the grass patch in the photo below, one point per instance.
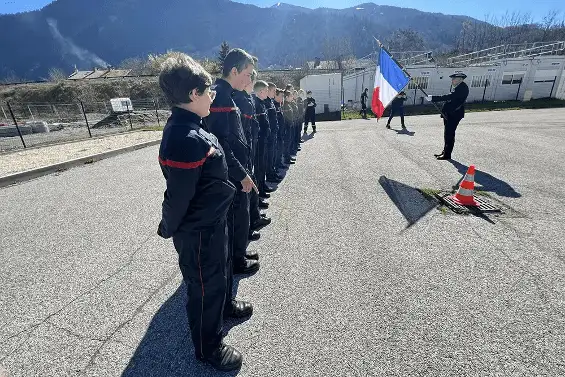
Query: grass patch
429,193
152,128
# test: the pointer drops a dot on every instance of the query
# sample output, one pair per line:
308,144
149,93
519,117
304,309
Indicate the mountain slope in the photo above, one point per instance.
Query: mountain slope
90,33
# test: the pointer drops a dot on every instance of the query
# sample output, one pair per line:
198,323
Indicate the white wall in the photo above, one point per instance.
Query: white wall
326,90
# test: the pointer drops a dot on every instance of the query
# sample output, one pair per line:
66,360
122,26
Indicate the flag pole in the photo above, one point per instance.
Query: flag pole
407,74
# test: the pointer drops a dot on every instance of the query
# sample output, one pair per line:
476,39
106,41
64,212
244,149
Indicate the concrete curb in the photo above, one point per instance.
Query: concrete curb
35,173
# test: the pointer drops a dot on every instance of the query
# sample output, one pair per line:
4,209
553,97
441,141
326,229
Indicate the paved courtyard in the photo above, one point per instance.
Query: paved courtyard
360,274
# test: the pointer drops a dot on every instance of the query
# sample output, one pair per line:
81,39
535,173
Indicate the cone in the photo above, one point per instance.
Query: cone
466,190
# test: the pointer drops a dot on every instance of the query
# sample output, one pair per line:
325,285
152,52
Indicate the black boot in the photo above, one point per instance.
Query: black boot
254,236
224,358
247,266
239,309
313,129
252,255
388,126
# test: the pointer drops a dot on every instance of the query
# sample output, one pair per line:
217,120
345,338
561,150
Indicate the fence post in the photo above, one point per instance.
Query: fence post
552,86
485,90
157,112
3,112
129,115
85,118
16,123
32,117
519,86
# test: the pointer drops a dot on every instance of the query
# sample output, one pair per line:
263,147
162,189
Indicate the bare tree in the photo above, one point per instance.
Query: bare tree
548,23
338,51
405,40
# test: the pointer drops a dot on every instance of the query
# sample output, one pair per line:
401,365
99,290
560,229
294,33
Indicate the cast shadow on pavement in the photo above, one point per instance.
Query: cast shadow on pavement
166,349
487,181
409,201
306,137
404,131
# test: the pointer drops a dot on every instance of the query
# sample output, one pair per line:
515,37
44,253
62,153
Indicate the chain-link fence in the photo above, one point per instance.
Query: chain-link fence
24,125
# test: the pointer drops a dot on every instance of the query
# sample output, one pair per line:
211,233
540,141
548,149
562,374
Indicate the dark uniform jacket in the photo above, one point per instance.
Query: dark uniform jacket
243,102
280,119
198,193
272,115
262,118
311,109
224,122
397,102
454,107
364,99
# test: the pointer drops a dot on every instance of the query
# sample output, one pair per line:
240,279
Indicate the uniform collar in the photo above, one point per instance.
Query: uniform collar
182,116
223,84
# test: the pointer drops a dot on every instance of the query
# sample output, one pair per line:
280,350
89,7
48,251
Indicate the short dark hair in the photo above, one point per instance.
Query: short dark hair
271,85
180,75
289,86
309,92
287,93
279,91
238,59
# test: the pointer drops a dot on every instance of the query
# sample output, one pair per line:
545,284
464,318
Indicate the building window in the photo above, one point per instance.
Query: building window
481,81
512,78
421,81
545,76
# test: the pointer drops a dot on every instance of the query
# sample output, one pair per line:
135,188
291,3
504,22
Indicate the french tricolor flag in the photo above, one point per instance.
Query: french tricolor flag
390,79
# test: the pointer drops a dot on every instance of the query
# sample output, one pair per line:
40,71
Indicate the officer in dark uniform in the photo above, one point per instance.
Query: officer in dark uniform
452,112
364,97
272,171
310,115
397,108
224,121
196,201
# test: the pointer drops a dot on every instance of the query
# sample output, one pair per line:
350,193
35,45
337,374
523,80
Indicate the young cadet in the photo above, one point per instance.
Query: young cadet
296,122
271,170
261,92
288,127
224,121
196,201
257,219
310,116
242,100
279,99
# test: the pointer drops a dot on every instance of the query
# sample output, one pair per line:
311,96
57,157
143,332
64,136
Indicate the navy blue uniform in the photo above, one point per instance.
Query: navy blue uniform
195,205
310,113
280,136
224,121
264,133
454,111
296,122
397,108
272,139
247,109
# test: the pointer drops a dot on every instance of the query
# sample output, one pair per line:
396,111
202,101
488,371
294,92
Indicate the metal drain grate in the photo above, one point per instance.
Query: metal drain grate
486,205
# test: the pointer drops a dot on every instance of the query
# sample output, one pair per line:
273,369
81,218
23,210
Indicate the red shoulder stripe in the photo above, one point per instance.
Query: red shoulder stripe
186,165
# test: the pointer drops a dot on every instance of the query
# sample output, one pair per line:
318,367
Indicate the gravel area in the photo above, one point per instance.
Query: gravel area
38,157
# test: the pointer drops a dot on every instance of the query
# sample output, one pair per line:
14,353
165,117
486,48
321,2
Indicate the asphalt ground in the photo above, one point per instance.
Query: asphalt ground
360,274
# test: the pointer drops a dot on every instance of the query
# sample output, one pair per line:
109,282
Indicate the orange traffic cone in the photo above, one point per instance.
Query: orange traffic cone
466,190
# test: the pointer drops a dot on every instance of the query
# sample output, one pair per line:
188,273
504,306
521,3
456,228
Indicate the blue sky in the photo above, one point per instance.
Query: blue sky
473,8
